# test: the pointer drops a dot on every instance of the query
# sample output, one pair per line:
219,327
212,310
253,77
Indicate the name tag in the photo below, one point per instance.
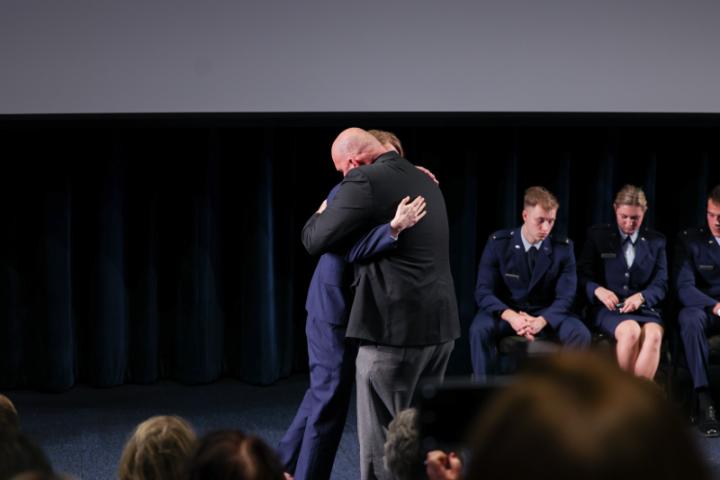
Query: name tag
706,267
608,255
512,275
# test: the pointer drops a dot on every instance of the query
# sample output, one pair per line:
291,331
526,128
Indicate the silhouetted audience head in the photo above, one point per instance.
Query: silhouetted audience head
576,416
18,454
403,458
9,420
232,455
159,448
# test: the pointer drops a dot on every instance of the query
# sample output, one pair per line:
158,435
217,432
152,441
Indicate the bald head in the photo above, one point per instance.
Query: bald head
355,147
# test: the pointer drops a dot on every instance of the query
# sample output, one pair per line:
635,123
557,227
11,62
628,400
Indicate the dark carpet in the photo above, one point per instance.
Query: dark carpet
83,430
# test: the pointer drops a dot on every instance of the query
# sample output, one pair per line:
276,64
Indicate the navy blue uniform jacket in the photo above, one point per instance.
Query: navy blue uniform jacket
698,270
504,280
602,264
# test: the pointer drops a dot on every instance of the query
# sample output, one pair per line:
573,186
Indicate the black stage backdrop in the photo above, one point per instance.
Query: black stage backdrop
141,247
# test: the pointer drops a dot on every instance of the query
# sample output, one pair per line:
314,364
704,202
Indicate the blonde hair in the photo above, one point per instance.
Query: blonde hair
632,196
159,448
540,196
388,138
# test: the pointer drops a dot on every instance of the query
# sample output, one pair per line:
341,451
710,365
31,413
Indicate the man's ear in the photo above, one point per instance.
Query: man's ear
353,162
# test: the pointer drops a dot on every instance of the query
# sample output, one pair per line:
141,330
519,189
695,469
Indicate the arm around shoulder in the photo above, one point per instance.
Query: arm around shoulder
349,213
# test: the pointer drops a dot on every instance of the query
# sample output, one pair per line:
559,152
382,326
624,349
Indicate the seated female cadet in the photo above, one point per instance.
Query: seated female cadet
623,271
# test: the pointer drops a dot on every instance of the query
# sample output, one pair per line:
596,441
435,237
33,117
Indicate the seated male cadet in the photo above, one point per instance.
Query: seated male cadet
698,288
526,285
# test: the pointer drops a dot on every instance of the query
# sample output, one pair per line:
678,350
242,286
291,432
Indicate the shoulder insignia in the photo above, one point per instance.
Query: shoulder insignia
691,232
501,234
563,239
650,234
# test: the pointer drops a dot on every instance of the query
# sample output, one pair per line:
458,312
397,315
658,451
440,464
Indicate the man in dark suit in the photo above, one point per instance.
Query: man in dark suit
698,289
404,311
526,285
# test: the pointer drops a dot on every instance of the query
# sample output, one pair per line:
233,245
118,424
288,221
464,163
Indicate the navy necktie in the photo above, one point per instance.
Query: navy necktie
531,254
628,249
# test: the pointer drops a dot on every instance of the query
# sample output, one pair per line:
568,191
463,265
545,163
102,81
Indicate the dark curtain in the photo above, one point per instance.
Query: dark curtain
143,248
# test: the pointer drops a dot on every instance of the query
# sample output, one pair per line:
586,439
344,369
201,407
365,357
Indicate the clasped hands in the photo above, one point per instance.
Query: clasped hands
611,301
524,324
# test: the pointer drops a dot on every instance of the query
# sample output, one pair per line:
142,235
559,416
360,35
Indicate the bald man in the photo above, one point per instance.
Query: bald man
404,312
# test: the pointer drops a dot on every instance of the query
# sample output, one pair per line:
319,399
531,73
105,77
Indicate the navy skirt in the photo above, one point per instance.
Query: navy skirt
607,321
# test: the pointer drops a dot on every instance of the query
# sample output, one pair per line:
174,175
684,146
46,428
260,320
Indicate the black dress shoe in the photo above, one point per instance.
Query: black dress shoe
708,423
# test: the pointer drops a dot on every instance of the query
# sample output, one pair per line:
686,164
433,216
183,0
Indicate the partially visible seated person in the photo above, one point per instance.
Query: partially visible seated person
697,282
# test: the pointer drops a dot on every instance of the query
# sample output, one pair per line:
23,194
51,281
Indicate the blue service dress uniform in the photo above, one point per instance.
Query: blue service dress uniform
308,447
698,289
602,263
505,281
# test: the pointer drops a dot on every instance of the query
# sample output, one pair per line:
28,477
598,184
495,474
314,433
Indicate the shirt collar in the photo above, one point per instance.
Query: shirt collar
633,237
527,244
389,155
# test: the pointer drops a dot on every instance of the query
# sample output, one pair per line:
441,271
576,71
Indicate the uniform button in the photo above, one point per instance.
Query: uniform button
625,287
627,274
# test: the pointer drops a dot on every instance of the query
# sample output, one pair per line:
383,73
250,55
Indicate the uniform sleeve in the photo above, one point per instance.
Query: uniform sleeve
564,291
587,269
687,292
349,213
375,242
488,281
657,287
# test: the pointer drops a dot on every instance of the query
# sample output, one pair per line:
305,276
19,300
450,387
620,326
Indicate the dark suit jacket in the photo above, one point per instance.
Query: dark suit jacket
698,268
602,263
329,291
504,280
407,296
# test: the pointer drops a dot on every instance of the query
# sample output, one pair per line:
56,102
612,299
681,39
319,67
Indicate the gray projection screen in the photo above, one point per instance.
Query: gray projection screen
134,56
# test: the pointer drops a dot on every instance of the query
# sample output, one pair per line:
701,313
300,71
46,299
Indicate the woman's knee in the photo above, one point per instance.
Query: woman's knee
652,335
628,332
